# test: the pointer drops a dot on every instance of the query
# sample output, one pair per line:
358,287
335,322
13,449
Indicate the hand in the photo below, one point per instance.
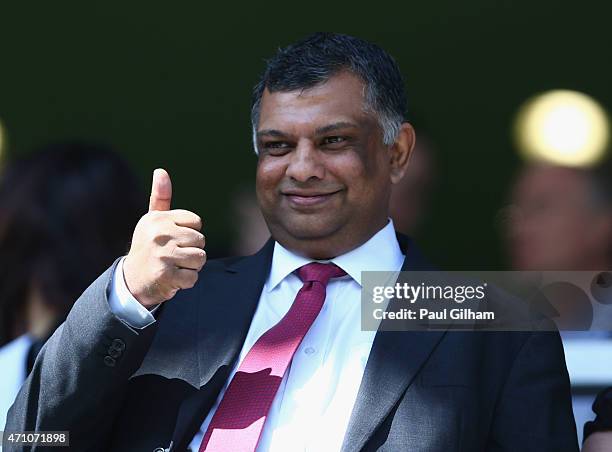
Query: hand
167,248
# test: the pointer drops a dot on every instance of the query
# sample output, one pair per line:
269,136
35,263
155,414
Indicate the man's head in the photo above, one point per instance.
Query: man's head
561,219
328,121
410,197
63,205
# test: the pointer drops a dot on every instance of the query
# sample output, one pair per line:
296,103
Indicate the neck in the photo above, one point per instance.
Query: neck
332,246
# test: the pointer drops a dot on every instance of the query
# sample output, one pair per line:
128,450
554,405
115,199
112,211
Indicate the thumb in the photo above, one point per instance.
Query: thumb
161,191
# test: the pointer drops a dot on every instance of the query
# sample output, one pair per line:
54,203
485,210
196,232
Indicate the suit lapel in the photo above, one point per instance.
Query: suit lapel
395,360
226,304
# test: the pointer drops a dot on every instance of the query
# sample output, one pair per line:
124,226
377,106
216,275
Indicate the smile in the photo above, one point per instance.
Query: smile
307,200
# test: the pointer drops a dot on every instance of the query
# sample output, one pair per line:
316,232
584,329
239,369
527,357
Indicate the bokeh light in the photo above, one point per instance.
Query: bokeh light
562,127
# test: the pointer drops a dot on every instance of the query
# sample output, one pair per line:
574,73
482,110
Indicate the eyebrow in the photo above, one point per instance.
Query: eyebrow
335,126
271,132
319,131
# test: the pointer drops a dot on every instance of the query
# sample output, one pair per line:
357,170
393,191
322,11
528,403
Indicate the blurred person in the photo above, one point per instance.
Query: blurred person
560,219
410,196
251,231
66,211
166,351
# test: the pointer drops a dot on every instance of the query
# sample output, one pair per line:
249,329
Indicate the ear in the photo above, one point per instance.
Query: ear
401,151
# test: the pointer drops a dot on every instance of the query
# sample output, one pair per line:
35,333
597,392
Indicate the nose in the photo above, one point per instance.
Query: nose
306,162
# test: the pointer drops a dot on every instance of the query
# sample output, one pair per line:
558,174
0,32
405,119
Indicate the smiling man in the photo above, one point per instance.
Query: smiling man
265,352
325,170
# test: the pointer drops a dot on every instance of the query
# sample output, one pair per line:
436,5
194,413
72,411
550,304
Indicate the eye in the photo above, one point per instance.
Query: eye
275,144
276,147
334,140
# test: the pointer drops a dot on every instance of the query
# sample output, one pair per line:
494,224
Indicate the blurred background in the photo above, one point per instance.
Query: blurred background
170,87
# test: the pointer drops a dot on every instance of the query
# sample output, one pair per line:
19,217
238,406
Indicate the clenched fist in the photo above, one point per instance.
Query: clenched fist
167,248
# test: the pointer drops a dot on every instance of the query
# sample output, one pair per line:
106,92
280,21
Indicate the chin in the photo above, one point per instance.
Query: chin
308,228
308,232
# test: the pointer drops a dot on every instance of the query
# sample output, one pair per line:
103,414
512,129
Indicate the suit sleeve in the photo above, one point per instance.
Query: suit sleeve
123,304
534,411
80,377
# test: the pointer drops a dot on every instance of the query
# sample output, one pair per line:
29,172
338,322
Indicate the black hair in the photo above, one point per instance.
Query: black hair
318,57
67,211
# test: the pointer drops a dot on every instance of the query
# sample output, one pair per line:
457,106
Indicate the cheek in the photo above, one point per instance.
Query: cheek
269,174
365,176
353,167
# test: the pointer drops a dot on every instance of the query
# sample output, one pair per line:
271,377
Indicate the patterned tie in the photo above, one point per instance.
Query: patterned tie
237,423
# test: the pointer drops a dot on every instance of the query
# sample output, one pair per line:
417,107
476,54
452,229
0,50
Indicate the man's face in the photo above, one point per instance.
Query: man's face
553,226
323,174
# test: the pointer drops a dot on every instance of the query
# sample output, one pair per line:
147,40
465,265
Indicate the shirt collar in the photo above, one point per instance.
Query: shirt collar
380,253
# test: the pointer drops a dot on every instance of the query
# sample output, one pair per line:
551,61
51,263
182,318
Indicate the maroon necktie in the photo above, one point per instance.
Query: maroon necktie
237,423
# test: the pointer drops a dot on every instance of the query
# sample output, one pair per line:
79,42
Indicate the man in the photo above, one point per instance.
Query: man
561,219
52,202
265,352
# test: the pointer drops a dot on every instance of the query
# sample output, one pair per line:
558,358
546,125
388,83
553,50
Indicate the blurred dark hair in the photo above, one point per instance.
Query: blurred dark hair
320,56
66,212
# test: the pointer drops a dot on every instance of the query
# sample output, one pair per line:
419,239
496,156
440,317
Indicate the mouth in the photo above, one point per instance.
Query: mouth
304,199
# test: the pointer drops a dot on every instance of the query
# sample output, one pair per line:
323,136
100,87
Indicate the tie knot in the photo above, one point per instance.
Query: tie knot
316,271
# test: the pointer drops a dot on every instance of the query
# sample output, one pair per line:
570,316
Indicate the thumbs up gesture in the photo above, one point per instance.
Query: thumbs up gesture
167,249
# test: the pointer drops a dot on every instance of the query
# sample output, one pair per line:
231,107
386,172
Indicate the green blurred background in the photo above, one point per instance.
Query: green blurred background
169,85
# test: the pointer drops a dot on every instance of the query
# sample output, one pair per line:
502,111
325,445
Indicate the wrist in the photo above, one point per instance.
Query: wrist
131,283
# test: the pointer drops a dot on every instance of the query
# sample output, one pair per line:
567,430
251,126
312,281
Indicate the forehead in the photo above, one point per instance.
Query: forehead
341,98
549,181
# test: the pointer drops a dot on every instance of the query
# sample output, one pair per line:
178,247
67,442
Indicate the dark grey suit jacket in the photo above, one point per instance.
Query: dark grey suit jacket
118,389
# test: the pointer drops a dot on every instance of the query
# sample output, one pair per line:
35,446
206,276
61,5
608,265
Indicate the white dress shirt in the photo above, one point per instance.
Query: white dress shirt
312,407
13,358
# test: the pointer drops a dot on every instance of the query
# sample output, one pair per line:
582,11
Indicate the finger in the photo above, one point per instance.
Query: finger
189,258
186,218
187,237
185,278
161,191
